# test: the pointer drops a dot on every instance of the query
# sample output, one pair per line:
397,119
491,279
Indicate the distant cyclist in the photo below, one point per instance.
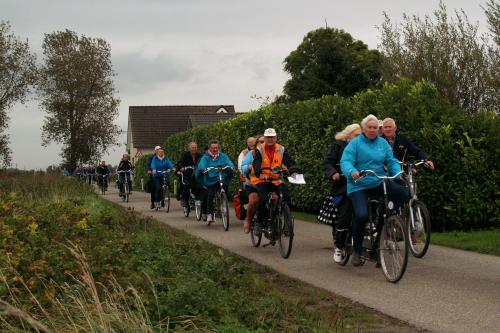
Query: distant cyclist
160,162
150,174
188,160
102,171
125,165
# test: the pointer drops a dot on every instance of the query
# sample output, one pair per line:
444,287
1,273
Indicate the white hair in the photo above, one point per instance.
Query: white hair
367,119
391,120
346,132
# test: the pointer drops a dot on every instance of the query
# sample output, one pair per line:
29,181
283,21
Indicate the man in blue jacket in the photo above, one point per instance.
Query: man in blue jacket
209,179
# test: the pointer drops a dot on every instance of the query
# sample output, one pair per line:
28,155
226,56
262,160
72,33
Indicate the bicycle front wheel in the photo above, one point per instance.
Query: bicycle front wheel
224,211
255,232
393,248
197,209
285,231
419,228
126,189
167,199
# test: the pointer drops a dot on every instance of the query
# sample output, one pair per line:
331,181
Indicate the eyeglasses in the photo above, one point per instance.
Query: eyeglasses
261,141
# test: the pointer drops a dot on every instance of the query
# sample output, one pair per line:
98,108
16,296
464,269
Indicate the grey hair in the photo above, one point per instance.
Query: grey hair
367,119
346,132
389,119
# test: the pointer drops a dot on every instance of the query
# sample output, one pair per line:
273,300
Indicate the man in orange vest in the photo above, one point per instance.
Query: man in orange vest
268,157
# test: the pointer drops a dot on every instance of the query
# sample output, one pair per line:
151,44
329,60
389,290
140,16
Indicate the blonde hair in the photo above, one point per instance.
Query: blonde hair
367,119
346,132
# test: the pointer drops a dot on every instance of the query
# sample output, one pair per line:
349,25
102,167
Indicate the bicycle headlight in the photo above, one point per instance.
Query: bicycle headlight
390,205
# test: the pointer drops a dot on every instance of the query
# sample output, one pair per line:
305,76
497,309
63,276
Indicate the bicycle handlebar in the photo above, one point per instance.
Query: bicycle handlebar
365,173
219,168
163,172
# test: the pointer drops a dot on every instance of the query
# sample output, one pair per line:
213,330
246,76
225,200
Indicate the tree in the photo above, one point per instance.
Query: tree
328,62
17,74
448,53
77,93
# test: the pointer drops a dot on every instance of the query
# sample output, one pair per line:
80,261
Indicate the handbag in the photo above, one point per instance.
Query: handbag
329,211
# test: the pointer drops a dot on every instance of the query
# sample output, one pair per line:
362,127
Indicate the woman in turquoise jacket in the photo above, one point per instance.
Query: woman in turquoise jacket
210,179
160,162
368,151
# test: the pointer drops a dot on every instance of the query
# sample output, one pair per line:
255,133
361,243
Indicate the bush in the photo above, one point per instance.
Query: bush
461,193
141,171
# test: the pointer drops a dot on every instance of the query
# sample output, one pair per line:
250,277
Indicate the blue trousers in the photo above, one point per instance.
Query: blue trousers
398,193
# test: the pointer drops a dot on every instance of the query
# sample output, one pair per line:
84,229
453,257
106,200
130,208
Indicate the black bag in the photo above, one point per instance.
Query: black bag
329,211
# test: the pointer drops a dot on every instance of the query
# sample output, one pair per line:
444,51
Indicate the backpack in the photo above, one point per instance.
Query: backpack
239,201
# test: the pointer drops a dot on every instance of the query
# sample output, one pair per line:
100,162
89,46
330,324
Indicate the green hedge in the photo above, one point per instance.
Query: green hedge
461,193
140,171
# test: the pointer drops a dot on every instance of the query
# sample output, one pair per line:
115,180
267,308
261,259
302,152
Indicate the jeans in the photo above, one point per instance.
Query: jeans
397,193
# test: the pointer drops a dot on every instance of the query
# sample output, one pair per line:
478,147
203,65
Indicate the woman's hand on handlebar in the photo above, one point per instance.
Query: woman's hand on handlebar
355,175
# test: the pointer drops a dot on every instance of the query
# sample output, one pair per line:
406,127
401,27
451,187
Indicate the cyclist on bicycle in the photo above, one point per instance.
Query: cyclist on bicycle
274,156
124,165
368,151
150,174
400,144
250,190
160,162
189,158
102,171
339,187
241,156
210,180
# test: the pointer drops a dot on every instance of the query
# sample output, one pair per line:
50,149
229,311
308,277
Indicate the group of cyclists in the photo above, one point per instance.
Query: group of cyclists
373,144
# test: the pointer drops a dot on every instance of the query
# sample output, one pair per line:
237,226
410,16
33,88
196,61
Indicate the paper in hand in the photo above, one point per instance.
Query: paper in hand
298,179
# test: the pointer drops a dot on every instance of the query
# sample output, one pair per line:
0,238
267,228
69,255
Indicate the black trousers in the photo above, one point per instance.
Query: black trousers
263,189
343,222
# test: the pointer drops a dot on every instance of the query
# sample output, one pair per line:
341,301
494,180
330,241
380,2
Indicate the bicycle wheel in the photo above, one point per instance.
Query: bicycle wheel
393,248
419,232
197,209
126,189
255,233
285,231
224,210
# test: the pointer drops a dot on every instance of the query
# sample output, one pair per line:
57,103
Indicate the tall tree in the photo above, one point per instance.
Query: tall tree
77,93
17,74
448,52
328,62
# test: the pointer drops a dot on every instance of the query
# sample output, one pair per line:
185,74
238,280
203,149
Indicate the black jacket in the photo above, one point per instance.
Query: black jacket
287,161
403,147
102,170
332,166
125,166
187,160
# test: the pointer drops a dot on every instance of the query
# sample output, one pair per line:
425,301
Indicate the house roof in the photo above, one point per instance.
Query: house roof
151,125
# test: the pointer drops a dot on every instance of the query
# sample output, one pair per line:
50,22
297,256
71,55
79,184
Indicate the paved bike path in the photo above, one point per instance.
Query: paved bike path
447,291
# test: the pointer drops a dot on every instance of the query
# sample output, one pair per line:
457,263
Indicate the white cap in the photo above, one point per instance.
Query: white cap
157,147
270,132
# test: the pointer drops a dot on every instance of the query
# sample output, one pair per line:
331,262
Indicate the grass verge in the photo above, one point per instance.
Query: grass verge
73,262
485,241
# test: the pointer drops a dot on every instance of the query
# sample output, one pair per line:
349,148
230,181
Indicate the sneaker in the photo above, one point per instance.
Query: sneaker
204,217
356,259
338,255
210,218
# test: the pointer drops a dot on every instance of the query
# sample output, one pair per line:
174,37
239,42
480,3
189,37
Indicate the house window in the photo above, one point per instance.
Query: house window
221,110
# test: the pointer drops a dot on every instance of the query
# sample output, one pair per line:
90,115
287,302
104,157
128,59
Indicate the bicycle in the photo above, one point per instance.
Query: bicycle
191,203
126,186
165,191
103,183
385,239
416,215
279,222
220,203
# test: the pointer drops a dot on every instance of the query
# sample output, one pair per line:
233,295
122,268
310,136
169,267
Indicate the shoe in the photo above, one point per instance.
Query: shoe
356,259
152,206
210,218
246,227
204,217
338,255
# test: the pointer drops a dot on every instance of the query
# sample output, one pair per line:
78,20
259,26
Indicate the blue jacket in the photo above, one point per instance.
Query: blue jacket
245,166
212,177
363,153
161,165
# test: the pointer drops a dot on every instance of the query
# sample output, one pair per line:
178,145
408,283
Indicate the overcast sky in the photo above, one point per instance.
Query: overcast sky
179,52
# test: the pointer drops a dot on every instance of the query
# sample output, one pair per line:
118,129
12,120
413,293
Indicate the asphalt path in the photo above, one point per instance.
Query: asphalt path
447,291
